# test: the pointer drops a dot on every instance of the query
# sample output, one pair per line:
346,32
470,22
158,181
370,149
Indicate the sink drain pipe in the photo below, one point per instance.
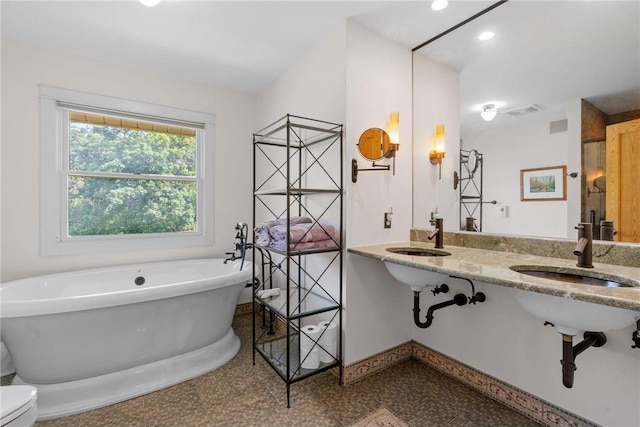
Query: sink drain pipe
458,299
570,352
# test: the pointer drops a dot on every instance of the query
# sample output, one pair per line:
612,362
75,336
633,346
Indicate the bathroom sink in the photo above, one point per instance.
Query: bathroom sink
416,278
569,315
415,251
574,276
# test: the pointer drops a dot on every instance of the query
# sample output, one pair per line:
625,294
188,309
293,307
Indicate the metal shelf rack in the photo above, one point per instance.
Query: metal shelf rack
469,183
297,171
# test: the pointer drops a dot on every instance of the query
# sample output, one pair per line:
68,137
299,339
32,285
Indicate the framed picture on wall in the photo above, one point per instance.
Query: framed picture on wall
548,183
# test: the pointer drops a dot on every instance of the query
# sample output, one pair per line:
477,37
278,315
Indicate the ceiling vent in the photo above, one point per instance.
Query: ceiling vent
517,112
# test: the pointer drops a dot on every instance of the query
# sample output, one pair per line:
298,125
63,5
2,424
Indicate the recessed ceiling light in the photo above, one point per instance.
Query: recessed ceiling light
489,112
439,4
487,35
149,3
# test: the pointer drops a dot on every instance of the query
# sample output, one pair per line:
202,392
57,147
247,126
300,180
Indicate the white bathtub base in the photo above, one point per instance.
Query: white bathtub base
68,398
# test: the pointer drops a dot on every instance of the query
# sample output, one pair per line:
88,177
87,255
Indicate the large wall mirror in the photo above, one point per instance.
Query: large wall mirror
559,75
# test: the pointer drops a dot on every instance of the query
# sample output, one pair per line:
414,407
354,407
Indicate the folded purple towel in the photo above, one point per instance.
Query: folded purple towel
302,246
303,232
262,235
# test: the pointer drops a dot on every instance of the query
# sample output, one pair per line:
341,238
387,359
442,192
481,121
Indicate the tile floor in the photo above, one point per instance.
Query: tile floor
241,394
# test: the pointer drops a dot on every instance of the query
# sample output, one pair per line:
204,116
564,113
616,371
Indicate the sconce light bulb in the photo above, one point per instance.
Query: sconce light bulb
489,112
437,146
150,3
394,128
599,172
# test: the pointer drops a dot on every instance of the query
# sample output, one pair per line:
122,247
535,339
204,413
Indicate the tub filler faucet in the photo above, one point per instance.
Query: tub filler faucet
240,245
584,248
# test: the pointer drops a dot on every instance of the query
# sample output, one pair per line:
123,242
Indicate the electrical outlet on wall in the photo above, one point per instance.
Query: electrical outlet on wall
387,218
504,211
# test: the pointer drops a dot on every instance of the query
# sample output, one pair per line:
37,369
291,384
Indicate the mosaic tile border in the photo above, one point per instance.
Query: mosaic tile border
516,399
376,363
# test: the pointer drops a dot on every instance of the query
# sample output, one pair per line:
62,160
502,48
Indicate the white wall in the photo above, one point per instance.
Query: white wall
25,67
436,100
357,78
314,87
524,144
574,164
507,150
378,82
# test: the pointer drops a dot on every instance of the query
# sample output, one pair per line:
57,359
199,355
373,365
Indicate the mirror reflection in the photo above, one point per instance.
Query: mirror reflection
555,76
374,144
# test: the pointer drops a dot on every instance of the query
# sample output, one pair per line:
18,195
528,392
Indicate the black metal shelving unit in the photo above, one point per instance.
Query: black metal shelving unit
470,185
298,171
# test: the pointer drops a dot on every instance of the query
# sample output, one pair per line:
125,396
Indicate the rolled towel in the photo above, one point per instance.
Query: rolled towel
303,232
267,293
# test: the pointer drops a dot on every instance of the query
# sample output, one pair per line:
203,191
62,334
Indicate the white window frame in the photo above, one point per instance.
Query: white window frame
53,177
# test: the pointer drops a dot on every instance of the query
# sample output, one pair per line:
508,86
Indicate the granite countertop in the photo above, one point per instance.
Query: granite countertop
493,267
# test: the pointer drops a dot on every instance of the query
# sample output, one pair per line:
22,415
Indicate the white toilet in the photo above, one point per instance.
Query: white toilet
18,406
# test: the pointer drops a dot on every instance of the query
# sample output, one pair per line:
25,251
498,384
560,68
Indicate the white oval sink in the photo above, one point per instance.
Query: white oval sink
417,251
569,315
574,275
417,278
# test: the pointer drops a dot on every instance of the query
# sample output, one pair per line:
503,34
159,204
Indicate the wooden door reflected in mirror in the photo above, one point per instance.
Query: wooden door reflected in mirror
623,179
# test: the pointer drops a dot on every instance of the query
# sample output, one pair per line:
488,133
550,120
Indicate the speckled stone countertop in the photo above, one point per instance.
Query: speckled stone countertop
491,266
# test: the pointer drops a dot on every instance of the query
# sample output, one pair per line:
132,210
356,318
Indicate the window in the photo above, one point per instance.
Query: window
126,175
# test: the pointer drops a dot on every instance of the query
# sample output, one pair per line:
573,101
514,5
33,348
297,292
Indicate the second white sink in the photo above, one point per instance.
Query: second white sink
570,316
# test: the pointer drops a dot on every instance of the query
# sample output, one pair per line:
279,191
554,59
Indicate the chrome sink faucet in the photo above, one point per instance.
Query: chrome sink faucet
438,232
584,248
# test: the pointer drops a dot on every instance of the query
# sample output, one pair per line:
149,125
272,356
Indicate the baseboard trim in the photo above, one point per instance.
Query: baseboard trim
519,400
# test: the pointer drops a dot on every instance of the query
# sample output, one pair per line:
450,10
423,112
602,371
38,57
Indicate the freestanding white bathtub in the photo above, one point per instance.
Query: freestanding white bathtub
91,338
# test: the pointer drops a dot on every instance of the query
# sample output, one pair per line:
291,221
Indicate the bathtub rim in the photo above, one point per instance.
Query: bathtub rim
45,306
73,397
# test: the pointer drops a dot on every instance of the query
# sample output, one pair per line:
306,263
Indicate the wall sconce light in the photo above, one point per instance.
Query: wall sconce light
393,129
437,149
489,112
